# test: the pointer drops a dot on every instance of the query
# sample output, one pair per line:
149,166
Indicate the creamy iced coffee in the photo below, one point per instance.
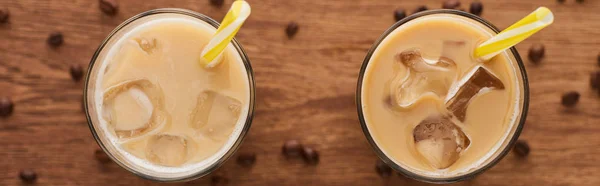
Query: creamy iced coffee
158,106
429,105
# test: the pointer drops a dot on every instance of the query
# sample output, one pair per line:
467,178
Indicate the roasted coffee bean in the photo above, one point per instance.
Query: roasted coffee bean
292,148
536,53
451,4
246,159
476,8
383,169
311,156
109,7
421,8
101,156
291,29
399,14
217,3
76,71
595,80
28,176
218,180
521,148
55,39
570,99
4,15
6,107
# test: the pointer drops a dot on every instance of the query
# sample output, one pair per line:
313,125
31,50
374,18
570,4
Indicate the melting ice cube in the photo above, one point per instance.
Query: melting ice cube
147,44
422,78
215,115
439,141
138,107
478,81
167,150
133,108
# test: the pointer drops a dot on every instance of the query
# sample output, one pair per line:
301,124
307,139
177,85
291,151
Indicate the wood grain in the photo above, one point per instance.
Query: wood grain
305,91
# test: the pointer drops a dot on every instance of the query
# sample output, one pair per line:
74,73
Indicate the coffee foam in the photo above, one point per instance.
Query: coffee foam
513,119
145,164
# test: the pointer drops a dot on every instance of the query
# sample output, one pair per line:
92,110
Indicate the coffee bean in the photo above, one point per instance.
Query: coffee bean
109,7
399,14
383,169
101,156
595,80
580,1
76,71
570,99
28,176
476,8
292,148
420,9
246,159
6,107
292,29
218,180
536,53
521,148
217,3
451,4
561,1
311,156
4,15
55,39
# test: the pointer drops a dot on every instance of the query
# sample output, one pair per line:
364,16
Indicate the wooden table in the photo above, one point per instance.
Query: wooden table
305,91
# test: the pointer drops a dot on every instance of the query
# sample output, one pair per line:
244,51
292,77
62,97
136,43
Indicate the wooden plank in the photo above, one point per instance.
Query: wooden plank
305,91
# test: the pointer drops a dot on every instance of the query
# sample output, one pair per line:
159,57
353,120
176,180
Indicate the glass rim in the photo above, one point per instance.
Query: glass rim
251,103
429,179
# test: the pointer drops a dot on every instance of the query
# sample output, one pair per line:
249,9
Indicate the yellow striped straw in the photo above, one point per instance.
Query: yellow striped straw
534,22
237,14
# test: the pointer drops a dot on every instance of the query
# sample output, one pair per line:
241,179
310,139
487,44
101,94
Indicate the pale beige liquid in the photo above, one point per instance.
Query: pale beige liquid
195,112
488,118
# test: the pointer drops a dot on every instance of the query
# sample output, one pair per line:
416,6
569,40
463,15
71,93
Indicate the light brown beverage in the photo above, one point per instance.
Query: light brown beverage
430,106
159,108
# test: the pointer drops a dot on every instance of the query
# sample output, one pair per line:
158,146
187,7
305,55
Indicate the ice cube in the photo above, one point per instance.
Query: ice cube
167,149
138,107
215,115
133,108
439,141
147,44
422,78
478,81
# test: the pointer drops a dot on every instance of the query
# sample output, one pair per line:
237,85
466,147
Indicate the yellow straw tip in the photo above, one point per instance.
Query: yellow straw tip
544,15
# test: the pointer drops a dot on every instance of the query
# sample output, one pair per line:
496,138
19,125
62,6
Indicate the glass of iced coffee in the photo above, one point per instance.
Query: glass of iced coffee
155,110
433,111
